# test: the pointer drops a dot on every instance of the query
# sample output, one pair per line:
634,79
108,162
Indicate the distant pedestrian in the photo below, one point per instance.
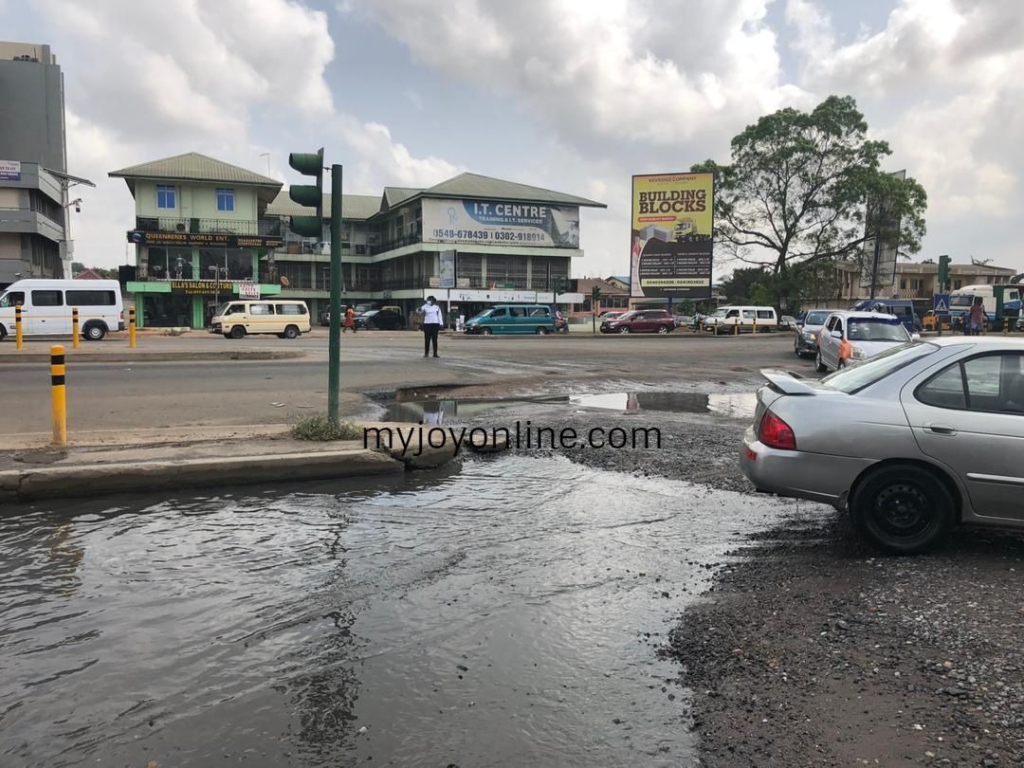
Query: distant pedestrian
432,322
977,317
350,319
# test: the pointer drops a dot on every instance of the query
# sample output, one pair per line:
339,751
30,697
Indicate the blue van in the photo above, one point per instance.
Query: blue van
902,308
537,319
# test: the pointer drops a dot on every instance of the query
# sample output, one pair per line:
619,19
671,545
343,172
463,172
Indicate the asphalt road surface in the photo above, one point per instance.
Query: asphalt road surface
153,395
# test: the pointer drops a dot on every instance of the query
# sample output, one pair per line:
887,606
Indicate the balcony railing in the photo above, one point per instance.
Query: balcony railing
260,227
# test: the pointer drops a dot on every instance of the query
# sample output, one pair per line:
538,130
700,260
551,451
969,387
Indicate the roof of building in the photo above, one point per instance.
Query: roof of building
587,284
397,195
359,207
88,274
193,166
476,186
621,278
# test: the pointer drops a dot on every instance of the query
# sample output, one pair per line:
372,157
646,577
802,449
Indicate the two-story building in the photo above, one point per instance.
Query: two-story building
201,237
471,241
206,231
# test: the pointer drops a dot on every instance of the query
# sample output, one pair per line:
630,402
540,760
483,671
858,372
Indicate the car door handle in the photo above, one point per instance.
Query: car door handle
941,429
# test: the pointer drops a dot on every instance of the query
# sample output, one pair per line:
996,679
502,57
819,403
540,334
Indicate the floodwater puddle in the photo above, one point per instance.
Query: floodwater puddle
510,614
440,410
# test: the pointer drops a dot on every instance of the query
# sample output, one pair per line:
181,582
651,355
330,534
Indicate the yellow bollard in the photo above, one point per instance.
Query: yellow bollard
57,387
19,336
736,328
1006,326
755,327
74,327
131,327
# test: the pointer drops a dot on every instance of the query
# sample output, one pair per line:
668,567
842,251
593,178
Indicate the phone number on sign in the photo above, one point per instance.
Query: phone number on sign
469,234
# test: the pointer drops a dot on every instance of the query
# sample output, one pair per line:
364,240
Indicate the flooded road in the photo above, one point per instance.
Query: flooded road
508,614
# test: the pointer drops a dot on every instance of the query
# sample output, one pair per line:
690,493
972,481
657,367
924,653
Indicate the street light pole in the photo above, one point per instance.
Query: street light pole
334,350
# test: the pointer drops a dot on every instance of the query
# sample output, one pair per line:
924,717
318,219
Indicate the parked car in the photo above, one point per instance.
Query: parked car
683,321
540,319
931,322
912,442
808,328
725,320
641,321
381,320
285,318
851,337
787,323
46,307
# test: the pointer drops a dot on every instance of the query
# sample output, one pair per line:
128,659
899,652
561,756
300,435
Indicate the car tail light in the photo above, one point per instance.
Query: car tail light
775,433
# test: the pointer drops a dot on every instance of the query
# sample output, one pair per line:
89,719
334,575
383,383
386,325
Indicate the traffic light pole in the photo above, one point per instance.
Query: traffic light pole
334,352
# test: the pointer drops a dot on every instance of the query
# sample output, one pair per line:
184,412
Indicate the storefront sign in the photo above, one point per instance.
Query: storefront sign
447,269
192,239
501,222
671,242
10,170
204,287
249,290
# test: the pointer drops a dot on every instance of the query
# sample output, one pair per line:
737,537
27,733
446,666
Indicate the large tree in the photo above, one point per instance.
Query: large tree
799,186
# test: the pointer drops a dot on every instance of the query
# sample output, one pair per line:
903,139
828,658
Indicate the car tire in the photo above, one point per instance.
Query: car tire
663,329
624,329
94,332
542,331
236,332
819,364
291,332
903,509
485,331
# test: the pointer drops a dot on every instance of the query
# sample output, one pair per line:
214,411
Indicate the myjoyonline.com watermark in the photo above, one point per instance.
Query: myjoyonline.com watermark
416,438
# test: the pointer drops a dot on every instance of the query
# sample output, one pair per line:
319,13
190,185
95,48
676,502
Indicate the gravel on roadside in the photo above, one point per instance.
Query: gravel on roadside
814,650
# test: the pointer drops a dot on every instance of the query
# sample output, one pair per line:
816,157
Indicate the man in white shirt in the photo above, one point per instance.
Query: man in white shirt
432,322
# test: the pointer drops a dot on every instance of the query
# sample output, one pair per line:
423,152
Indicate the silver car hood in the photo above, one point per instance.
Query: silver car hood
872,348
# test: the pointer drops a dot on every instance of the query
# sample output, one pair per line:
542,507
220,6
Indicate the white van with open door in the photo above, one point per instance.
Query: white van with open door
726,319
46,307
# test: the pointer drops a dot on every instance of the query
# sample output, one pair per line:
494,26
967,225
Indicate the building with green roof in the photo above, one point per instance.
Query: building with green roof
206,231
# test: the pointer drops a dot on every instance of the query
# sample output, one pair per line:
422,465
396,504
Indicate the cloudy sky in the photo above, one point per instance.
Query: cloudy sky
574,95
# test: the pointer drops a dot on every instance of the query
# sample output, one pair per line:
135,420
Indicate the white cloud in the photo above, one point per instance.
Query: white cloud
386,162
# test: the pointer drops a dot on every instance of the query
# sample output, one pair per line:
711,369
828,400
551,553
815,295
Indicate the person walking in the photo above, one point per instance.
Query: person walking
977,317
350,319
432,322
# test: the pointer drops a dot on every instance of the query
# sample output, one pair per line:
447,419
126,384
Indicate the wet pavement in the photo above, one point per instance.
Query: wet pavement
507,614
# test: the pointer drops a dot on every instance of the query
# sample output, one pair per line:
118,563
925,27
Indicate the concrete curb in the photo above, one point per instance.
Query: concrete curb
35,358
103,479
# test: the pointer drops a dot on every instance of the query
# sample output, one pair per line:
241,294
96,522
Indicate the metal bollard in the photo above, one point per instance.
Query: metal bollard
755,327
736,328
131,327
74,327
59,395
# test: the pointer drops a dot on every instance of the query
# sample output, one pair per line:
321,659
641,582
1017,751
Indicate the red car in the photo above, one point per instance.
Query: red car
640,321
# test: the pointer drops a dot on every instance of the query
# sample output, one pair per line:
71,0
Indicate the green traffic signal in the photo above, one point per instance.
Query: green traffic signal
944,262
308,195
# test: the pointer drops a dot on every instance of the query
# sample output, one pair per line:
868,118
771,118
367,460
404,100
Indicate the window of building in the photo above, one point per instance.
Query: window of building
166,196
903,283
958,284
225,200
360,249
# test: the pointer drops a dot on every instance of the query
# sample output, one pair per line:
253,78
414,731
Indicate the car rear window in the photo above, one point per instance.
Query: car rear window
876,329
816,318
857,377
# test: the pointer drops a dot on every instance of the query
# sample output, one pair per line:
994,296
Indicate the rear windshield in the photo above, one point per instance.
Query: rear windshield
816,318
873,370
876,329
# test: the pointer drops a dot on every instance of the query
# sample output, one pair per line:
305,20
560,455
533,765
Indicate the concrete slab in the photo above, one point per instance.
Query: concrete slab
14,356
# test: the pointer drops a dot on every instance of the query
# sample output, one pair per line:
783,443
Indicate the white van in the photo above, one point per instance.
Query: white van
725,320
46,307
287,318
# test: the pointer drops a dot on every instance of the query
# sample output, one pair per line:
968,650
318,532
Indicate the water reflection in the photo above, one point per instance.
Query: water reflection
508,614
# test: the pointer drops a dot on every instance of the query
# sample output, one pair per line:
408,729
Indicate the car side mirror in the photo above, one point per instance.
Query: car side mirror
837,334
915,337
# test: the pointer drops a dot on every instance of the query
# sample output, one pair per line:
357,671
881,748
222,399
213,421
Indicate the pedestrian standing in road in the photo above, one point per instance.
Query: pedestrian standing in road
350,319
977,317
432,322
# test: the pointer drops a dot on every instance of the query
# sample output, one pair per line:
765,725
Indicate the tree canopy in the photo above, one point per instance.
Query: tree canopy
800,185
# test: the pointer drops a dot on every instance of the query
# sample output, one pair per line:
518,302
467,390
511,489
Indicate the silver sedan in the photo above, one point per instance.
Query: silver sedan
912,442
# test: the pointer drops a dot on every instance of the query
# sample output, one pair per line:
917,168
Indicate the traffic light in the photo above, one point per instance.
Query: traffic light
308,195
943,272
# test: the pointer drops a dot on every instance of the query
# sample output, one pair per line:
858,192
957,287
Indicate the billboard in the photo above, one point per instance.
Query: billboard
671,239
882,230
10,170
500,222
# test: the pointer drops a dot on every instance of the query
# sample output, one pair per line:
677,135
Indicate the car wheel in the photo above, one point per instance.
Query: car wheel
486,331
624,329
819,364
903,509
95,332
663,329
542,331
291,332
237,332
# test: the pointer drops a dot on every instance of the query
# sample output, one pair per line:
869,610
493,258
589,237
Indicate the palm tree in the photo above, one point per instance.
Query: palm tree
595,297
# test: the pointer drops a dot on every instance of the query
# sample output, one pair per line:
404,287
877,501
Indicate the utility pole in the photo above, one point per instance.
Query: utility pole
334,353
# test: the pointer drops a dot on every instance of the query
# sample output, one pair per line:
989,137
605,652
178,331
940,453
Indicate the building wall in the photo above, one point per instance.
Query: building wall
34,91
195,201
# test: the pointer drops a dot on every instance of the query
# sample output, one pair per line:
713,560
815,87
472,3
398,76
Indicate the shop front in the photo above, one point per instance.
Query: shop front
189,303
